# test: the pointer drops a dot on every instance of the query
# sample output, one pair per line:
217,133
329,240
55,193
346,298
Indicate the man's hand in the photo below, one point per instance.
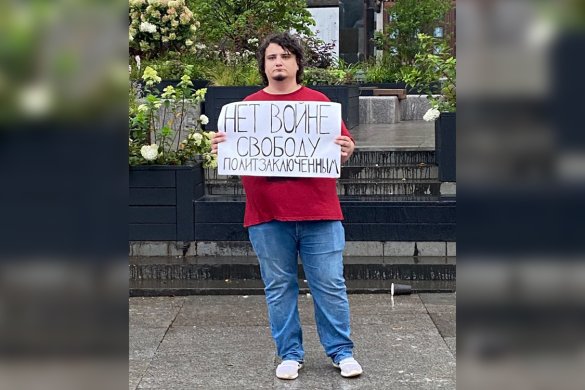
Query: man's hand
347,147
217,138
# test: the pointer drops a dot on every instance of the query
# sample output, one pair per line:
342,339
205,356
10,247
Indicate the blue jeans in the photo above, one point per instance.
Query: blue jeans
320,246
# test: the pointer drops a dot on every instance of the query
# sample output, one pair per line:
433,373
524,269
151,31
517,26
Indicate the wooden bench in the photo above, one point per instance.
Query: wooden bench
400,93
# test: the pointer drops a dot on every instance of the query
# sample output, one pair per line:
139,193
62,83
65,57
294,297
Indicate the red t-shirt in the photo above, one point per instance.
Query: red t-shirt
291,198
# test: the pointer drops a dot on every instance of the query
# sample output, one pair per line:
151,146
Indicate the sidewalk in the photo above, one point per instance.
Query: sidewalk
223,342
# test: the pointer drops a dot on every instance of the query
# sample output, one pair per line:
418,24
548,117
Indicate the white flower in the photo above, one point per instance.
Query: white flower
149,152
130,36
197,137
137,58
431,115
147,27
204,119
188,42
211,160
36,99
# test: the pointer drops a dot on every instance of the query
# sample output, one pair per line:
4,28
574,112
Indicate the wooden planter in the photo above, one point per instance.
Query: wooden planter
445,146
346,95
161,201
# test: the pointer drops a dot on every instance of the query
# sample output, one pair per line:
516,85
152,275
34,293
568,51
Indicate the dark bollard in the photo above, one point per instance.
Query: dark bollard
400,289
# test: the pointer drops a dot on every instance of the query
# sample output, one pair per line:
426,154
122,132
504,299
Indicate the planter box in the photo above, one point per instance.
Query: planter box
349,98
346,95
217,97
445,146
161,201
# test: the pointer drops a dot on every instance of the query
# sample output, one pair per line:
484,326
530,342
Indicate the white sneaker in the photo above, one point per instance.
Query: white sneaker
349,367
288,369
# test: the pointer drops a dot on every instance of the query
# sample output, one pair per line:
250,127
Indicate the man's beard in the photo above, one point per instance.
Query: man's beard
279,77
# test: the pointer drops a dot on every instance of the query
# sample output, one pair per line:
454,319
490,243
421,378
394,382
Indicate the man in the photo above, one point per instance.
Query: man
291,217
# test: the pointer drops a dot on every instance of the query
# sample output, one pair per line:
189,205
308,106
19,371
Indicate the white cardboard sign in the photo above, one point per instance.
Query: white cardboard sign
280,138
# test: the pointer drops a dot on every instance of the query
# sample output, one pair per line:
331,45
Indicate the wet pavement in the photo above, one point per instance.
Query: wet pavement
223,342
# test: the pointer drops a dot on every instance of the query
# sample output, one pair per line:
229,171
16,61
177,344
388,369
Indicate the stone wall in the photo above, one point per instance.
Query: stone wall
389,109
244,248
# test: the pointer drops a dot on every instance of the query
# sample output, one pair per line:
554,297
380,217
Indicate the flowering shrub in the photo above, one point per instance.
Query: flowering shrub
161,26
431,115
434,63
158,121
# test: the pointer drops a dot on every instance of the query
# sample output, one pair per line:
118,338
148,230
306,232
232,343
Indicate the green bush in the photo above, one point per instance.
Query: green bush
407,19
434,64
242,70
320,76
231,24
377,71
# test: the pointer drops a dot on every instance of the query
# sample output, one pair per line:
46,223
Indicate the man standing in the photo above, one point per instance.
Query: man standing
290,217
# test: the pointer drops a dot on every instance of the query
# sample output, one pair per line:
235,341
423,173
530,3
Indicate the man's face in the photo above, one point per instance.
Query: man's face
279,63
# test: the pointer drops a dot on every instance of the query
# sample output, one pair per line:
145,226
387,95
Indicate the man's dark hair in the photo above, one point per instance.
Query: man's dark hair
286,41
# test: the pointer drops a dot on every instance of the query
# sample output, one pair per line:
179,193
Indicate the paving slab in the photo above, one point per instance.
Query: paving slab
421,356
205,338
418,322
362,304
224,342
440,303
438,299
252,369
158,313
445,323
235,310
137,368
452,344
380,348
143,342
